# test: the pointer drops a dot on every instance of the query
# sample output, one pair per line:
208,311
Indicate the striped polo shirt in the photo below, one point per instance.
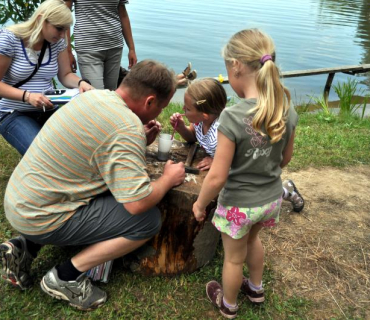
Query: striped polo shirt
209,140
98,25
23,64
93,144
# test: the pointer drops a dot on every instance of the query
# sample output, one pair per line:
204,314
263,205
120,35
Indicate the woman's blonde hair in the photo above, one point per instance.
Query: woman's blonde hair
249,47
53,11
208,95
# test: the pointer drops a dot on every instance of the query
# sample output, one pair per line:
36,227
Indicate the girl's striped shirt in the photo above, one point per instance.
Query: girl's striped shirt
209,140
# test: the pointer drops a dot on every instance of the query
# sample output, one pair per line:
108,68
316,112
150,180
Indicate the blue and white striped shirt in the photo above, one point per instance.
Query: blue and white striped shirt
23,64
209,140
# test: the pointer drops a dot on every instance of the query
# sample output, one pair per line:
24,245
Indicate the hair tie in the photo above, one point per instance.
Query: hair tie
265,58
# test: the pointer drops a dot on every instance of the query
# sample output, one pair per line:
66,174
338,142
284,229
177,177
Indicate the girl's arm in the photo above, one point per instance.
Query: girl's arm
288,151
216,176
67,77
187,133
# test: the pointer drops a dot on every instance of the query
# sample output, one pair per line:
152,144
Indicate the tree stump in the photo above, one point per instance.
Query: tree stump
183,244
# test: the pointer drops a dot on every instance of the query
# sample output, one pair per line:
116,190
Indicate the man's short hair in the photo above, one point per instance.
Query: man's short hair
150,77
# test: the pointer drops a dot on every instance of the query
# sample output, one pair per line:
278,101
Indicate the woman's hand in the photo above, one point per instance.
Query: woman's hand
205,164
84,86
199,212
39,101
132,59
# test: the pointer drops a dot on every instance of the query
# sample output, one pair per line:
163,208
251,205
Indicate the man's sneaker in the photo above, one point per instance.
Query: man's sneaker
294,196
80,293
254,296
215,295
16,263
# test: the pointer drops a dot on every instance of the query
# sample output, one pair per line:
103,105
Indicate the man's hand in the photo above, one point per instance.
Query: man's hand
152,128
175,172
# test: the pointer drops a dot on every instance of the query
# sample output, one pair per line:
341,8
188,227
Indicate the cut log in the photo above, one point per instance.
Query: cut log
183,244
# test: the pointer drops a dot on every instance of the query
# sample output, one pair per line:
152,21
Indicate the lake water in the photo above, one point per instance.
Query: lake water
308,34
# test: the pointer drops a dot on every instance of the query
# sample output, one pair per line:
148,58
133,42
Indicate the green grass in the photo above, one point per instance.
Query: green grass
337,142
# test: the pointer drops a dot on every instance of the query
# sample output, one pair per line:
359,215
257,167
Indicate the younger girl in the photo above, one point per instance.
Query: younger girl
255,140
203,102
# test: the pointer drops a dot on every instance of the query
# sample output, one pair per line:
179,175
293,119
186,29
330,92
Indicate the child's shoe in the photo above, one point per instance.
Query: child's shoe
215,295
294,196
254,296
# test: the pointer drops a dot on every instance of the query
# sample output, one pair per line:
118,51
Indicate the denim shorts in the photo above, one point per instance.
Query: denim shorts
237,222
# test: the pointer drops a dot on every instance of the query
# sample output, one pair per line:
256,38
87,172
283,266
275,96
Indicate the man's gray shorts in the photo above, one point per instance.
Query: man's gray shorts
102,219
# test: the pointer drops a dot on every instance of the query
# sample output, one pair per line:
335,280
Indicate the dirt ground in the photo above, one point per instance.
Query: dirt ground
323,253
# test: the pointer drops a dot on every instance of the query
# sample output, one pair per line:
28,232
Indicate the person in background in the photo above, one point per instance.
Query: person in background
255,141
98,38
23,107
84,182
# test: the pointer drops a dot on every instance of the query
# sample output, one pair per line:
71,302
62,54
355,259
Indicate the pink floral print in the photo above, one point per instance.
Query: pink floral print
269,223
234,215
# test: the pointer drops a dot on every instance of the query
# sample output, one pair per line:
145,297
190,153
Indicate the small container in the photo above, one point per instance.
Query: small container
164,146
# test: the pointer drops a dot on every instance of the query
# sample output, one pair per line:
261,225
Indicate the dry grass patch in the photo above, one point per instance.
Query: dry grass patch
323,254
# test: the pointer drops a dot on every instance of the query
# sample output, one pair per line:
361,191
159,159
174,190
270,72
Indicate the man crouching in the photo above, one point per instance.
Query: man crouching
83,182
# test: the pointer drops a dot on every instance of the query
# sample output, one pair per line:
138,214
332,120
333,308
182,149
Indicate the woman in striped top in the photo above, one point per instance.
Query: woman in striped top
24,109
204,100
99,33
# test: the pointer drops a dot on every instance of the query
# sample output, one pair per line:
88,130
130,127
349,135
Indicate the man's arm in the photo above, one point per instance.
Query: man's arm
72,59
127,34
173,175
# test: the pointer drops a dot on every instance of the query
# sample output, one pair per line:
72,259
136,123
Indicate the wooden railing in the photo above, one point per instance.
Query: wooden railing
352,70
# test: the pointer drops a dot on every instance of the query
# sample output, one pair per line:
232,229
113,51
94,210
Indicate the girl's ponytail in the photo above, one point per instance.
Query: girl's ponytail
256,50
273,100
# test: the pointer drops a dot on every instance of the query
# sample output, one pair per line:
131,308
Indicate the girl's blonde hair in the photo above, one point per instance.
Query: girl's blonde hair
208,94
53,11
248,47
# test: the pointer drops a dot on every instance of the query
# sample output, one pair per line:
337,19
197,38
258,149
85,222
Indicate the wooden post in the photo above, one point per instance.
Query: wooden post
329,81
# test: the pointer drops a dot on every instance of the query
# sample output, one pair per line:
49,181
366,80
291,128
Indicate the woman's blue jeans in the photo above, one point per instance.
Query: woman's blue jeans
20,128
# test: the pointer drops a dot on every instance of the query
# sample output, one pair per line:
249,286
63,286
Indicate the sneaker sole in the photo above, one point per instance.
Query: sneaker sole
256,300
8,259
60,296
227,315
209,298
